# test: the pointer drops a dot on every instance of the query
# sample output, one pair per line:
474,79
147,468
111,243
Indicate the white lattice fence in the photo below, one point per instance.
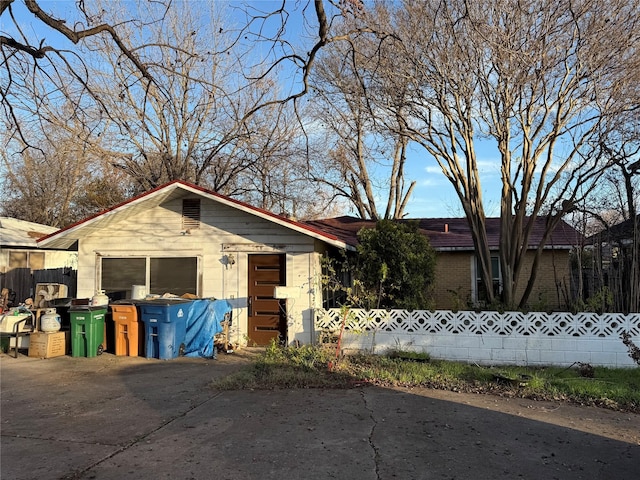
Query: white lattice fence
535,338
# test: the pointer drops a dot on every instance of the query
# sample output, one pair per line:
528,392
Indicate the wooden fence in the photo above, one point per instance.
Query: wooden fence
23,281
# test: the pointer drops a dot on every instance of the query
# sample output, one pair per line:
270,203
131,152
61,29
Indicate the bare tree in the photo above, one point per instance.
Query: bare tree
277,178
175,102
191,122
536,83
26,50
364,159
55,184
50,160
614,206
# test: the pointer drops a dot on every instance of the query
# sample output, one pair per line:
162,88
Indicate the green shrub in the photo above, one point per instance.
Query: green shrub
395,266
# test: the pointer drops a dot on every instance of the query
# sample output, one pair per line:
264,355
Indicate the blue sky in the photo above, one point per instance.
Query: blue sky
433,195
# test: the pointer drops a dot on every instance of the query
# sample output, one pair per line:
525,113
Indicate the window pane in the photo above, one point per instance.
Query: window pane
119,274
482,292
495,268
18,260
495,275
36,260
174,275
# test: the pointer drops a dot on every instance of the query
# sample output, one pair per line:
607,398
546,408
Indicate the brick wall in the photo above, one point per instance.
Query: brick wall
453,281
452,286
553,272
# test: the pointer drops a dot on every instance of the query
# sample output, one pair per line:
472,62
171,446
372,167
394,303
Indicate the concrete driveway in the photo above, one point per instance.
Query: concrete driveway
134,418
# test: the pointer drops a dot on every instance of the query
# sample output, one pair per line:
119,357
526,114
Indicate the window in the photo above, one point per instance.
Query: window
25,259
120,274
160,275
336,273
190,213
481,293
173,275
36,260
18,260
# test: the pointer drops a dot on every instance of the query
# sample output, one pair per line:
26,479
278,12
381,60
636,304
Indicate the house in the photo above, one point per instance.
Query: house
457,281
617,238
19,249
24,264
616,265
182,239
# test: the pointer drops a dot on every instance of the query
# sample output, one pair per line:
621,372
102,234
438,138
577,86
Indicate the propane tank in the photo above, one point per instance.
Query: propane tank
99,299
50,320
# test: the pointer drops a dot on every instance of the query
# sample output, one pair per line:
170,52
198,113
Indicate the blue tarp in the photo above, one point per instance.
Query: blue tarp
203,323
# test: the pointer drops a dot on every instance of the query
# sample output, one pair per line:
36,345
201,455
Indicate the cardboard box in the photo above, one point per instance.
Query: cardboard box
48,344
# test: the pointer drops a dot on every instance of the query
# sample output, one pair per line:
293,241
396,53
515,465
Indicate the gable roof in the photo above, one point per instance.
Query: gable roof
450,234
621,232
67,236
20,233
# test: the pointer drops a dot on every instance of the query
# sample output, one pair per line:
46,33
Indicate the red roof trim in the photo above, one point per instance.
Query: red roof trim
263,211
96,215
207,192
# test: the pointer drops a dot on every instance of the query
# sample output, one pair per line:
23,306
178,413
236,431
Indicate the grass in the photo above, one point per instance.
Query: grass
315,367
294,367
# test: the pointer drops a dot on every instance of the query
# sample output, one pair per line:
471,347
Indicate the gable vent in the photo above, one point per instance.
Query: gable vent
190,213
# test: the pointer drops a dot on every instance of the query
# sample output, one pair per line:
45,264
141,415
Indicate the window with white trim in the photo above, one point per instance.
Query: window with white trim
160,275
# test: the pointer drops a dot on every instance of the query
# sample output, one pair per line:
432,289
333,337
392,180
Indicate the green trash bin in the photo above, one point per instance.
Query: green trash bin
87,330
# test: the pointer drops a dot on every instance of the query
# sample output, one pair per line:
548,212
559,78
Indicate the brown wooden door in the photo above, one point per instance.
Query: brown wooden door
267,315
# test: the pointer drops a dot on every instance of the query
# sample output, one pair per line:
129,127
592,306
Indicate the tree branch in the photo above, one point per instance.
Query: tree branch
76,36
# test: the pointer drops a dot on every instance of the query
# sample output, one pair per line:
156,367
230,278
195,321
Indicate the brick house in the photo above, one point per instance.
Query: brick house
457,283
615,256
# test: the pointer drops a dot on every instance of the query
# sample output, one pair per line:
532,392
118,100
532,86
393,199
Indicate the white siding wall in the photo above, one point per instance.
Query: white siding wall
52,258
223,231
60,259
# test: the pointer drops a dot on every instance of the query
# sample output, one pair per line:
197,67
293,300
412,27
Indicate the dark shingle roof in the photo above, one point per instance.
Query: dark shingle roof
617,233
450,233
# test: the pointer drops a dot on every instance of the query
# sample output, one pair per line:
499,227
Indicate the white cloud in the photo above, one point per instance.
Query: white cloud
435,169
433,181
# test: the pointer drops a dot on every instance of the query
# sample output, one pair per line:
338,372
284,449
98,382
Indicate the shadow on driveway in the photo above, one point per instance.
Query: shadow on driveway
119,417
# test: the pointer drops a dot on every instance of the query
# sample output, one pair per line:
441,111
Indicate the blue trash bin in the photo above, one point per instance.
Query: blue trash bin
165,326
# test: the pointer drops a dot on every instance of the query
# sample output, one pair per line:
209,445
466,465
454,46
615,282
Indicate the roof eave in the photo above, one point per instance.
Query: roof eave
496,249
68,236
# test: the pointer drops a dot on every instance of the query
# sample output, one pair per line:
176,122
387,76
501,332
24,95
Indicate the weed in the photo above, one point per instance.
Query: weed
634,350
409,355
308,367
